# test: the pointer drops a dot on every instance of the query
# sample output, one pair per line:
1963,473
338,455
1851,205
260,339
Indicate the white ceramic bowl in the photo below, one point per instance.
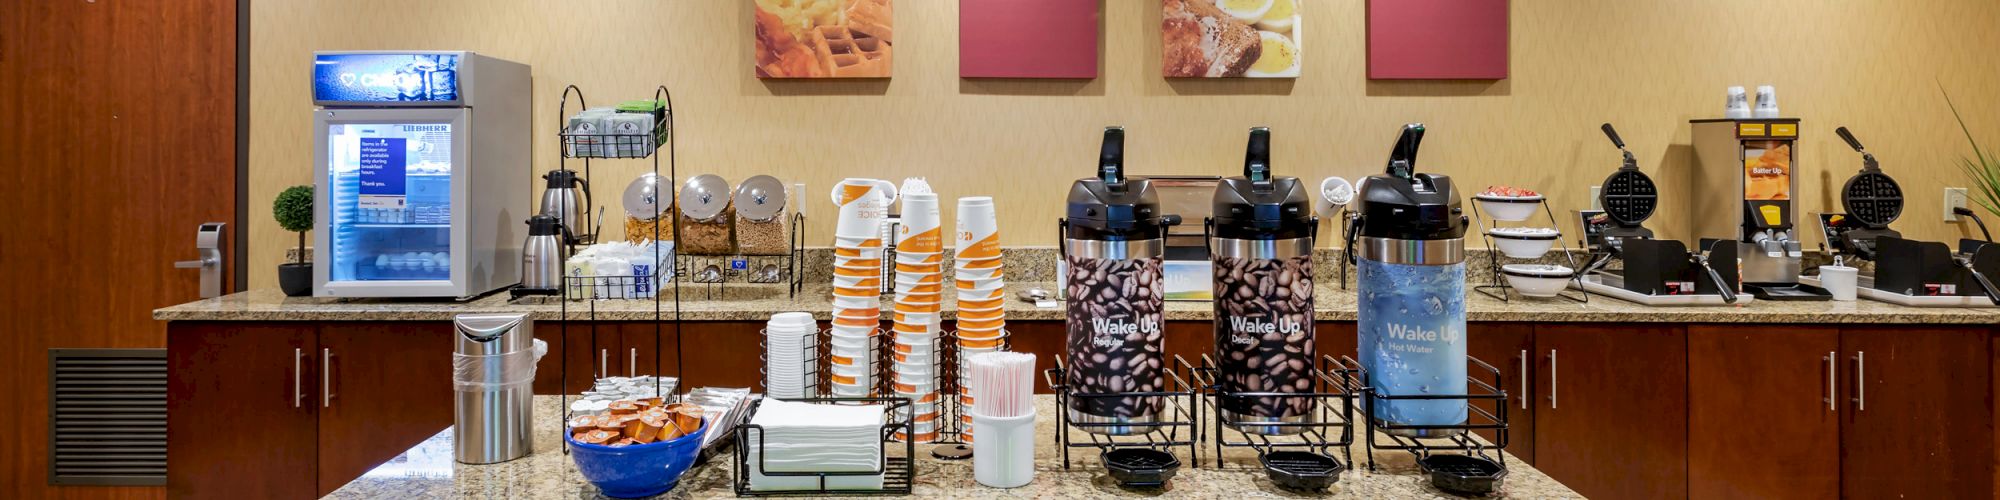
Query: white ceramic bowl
1537,280
1508,208
1523,243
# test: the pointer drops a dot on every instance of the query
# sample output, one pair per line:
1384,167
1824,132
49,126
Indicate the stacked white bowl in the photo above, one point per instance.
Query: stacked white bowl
791,349
919,296
982,321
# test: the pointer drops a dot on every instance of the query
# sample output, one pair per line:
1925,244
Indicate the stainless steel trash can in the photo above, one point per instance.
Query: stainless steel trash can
493,375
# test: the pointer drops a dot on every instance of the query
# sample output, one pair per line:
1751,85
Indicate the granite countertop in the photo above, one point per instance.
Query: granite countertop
758,302
428,471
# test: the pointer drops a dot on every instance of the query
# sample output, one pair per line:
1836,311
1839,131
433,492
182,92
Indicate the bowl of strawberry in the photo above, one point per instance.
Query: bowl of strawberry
1508,203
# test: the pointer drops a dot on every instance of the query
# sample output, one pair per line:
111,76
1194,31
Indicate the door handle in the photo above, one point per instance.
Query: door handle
603,363
1860,381
632,368
326,379
298,382
1831,397
1552,379
208,248
1524,379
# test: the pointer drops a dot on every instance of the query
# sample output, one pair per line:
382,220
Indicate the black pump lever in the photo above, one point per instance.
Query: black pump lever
1403,159
1631,163
1867,160
1111,158
1257,156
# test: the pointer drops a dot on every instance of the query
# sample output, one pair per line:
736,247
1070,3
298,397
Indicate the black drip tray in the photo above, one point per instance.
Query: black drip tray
1462,474
1302,470
1140,467
1788,292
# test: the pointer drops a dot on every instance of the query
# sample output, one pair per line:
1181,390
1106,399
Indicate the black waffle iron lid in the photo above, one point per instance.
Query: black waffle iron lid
1111,201
1871,197
1257,200
1628,195
1404,204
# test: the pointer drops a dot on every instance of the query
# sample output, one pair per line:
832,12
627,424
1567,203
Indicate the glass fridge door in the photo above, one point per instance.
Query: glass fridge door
387,211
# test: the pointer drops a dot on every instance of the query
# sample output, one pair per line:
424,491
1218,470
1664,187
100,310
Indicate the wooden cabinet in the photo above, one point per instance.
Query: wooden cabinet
1506,346
1611,408
1762,416
242,406
296,410
385,384
1916,418
583,351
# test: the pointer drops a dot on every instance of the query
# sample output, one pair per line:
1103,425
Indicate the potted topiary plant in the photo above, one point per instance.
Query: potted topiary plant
294,211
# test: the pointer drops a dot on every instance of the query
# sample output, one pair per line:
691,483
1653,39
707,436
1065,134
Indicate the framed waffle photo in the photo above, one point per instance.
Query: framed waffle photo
1231,38
824,38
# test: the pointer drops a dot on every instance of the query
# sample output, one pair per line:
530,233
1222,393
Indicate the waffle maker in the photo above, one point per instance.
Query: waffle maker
1651,271
1906,272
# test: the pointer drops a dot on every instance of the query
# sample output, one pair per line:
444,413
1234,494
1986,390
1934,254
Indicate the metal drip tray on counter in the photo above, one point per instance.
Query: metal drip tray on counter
1866,290
1611,285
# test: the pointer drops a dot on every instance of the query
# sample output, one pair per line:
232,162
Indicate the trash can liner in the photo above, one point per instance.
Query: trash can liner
477,373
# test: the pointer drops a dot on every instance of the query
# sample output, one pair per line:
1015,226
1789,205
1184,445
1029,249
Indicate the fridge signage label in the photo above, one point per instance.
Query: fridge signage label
382,162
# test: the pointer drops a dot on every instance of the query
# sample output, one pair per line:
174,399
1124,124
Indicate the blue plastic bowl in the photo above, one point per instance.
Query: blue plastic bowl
636,471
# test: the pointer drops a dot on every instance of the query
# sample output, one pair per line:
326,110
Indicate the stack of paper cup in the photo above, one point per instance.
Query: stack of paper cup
982,323
857,286
919,291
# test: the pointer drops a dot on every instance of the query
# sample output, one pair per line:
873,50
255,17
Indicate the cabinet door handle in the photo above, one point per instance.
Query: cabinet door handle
1524,379
1552,379
326,379
603,363
1831,396
1860,381
298,380
632,368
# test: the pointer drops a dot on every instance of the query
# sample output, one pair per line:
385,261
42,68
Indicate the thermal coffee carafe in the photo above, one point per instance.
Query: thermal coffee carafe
542,256
1261,243
1114,242
1408,241
567,198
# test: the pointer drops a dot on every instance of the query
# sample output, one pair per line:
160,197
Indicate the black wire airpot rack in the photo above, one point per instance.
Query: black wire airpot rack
1450,450
1178,426
1338,387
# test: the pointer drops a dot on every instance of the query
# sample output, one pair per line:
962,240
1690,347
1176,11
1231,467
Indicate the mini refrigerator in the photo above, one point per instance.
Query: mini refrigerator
422,171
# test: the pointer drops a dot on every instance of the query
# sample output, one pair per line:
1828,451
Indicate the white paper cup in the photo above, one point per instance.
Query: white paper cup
847,302
916,257
858,244
920,229
977,264
858,281
978,229
844,331
963,274
919,278
981,296
981,287
857,252
982,314
1842,281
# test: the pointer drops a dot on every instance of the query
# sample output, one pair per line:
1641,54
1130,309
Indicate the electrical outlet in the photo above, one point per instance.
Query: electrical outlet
1596,204
1954,198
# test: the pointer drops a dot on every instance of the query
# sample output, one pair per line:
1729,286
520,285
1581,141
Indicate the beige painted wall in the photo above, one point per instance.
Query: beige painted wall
1647,65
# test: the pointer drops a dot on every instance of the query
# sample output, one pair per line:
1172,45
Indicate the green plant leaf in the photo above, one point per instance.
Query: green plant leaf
1984,171
293,209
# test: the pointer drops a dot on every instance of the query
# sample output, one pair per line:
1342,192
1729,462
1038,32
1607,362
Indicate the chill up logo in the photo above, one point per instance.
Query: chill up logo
1111,332
1246,331
1417,339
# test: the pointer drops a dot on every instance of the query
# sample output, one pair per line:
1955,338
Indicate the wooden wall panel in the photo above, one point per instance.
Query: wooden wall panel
117,138
1649,66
